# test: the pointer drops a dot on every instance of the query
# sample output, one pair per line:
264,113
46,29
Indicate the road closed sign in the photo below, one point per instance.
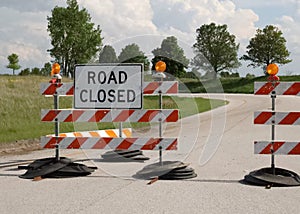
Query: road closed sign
108,86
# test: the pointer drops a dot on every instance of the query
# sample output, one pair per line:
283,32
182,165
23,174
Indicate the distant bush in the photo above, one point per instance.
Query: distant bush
249,76
226,74
191,75
25,72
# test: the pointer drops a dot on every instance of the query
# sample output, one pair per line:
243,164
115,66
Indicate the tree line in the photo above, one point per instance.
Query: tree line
76,40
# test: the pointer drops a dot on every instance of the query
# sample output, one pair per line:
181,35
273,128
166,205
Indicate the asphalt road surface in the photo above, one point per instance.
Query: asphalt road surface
218,145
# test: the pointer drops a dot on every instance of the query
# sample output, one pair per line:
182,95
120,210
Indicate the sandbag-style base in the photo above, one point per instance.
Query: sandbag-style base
167,170
123,156
53,168
265,177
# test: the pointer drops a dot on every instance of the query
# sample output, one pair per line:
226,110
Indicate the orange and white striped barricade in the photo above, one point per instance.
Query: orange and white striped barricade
277,147
67,89
276,118
113,143
281,88
275,176
126,132
108,115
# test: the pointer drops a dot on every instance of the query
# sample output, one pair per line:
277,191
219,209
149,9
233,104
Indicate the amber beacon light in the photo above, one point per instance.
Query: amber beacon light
272,69
160,66
55,69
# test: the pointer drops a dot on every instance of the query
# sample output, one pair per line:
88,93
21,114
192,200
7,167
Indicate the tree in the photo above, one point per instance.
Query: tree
172,55
108,55
13,62
46,70
215,49
74,38
25,72
35,71
132,54
266,47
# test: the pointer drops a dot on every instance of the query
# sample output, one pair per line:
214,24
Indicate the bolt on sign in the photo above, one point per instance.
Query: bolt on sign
108,86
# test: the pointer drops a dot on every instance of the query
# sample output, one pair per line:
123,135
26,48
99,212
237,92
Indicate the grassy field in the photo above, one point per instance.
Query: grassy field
227,85
21,104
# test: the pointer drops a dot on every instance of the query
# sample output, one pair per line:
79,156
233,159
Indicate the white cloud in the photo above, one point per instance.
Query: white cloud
147,23
183,17
262,4
291,32
23,33
121,19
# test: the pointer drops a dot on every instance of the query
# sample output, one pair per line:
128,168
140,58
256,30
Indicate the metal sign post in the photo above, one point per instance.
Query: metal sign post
160,67
160,126
273,97
56,126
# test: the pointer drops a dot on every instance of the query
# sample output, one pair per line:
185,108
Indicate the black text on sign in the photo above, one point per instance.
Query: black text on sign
108,86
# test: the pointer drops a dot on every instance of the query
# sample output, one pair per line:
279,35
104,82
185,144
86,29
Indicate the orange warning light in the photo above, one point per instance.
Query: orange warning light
272,69
55,69
160,66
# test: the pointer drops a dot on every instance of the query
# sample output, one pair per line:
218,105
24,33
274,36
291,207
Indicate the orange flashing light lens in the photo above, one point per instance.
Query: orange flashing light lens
55,69
160,66
272,69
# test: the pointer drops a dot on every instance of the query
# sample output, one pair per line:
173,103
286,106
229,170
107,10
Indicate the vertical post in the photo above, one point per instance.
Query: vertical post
120,129
160,126
160,67
160,119
56,129
273,96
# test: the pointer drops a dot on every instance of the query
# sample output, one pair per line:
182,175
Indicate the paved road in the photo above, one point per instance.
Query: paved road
217,144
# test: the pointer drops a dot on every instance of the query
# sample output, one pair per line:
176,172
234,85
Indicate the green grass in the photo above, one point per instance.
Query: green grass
21,104
227,85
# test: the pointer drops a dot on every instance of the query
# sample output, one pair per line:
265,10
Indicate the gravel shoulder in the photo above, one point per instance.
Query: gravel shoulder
19,147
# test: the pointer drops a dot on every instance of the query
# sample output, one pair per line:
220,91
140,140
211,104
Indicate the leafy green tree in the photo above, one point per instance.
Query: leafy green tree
46,70
73,36
35,71
250,76
226,74
215,49
172,55
13,60
266,47
108,55
132,54
25,72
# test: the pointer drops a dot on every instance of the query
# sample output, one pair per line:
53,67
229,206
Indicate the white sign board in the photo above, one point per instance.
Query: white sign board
108,86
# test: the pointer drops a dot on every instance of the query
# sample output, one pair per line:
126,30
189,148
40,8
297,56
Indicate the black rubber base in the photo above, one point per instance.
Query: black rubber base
167,170
52,168
266,177
123,156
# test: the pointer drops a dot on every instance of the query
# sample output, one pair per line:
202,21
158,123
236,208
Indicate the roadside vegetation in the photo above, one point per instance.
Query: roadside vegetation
21,104
243,85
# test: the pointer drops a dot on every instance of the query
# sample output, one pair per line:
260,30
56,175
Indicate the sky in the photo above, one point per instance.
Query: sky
23,25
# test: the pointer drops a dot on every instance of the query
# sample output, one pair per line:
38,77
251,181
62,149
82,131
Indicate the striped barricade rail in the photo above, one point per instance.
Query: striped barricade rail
108,115
126,132
166,87
279,147
281,88
273,176
50,142
67,89
276,118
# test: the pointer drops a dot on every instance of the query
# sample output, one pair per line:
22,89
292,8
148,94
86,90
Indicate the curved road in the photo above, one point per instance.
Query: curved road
217,144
